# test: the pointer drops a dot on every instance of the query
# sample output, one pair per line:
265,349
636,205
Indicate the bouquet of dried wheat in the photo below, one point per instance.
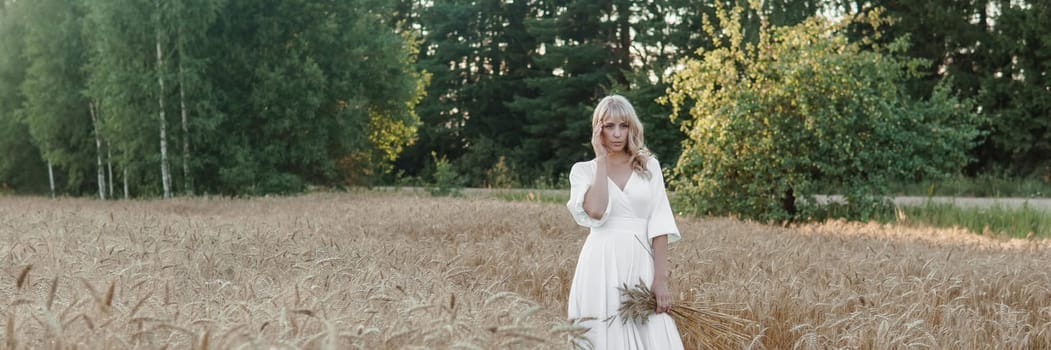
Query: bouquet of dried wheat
702,326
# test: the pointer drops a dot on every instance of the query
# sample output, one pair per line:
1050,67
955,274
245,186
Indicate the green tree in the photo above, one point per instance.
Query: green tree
240,97
56,110
994,52
585,51
803,111
192,19
668,31
665,32
518,79
21,166
309,93
478,53
948,33
123,80
1014,90
594,48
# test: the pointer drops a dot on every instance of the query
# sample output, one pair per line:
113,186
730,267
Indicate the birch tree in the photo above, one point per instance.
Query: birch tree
159,68
122,68
98,151
192,19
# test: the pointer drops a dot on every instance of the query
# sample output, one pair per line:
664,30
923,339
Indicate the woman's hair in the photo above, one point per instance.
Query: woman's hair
616,108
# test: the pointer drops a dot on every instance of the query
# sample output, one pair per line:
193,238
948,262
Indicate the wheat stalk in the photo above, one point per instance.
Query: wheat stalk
702,326
23,276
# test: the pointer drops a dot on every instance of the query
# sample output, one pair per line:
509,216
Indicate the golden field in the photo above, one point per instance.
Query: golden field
366,270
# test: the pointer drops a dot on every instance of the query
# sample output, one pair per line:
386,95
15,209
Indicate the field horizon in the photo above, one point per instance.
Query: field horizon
372,270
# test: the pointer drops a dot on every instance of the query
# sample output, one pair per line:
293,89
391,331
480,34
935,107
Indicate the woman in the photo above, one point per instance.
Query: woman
620,195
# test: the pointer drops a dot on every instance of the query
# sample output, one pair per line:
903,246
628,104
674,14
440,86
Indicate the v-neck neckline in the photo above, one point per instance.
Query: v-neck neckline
626,182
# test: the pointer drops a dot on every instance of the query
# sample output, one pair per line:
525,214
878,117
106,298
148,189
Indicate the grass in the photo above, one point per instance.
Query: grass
1024,222
532,195
980,186
398,270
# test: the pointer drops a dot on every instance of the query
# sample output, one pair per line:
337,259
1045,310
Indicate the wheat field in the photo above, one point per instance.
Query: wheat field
366,270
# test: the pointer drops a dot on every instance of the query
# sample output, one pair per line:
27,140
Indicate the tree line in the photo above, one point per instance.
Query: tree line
516,80
157,98
129,98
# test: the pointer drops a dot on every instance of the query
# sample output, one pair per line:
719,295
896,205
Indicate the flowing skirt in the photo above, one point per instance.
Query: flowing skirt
615,254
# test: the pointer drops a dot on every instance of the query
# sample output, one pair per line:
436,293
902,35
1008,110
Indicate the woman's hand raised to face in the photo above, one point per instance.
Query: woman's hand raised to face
596,142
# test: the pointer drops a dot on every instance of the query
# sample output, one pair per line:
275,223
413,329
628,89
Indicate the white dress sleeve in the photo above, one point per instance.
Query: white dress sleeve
661,220
580,180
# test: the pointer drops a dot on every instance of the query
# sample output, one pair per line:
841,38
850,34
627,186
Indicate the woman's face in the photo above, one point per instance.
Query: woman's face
615,135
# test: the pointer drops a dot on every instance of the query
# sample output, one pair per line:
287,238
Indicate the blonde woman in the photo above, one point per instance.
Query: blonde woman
620,196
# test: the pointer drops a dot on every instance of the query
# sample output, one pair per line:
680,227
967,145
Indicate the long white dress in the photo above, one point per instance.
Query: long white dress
617,251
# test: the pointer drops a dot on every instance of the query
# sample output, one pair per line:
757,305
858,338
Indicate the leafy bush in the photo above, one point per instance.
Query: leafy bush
500,176
804,110
446,182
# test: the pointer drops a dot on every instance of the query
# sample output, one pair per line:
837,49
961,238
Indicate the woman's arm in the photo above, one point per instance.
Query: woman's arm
660,273
597,198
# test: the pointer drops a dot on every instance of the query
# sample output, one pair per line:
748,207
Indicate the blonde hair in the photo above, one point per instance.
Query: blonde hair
616,108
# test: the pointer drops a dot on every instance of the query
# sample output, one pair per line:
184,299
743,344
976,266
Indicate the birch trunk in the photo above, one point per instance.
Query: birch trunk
185,132
51,176
98,151
165,173
109,167
125,178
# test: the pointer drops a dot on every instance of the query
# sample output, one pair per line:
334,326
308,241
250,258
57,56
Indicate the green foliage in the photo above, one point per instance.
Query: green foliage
281,95
533,195
500,175
55,109
983,185
1021,222
518,79
997,220
22,168
586,51
445,180
474,163
480,56
802,110
122,81
278,94
1014,91
995,52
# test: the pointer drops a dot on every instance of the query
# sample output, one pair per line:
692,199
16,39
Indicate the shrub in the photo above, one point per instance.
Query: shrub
805,109
446,182
500,175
